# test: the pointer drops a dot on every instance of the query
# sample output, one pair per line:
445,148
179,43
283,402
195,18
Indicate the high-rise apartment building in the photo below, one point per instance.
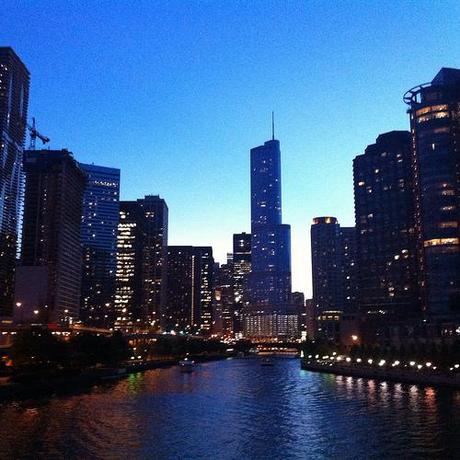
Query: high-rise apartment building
190,287
434,110
140,293
333,256
270,277
14,99
385,224
48,279
349,255
99,244
326,264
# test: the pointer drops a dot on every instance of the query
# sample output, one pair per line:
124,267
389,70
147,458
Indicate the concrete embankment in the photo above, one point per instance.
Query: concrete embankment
392,375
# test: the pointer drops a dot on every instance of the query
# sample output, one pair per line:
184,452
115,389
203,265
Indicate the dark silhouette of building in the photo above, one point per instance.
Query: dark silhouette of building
48,278
385,223
270,277
241,271
142,239
327,273
434,110
223,317
333,255
14,99
99,243
190,288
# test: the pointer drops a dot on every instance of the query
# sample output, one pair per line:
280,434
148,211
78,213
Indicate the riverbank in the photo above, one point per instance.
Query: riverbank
82,381
385,374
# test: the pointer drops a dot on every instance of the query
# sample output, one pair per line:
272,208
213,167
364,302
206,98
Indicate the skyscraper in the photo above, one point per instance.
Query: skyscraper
224,297
326,264
385,223
142,239
99,243
241,271
270,277
14,100
189,294
333,256
48,280
434,110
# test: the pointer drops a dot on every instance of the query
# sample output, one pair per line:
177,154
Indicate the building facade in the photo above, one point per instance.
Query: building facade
334,272
270,277
224,298
434,110
48,281
327,272
349,256
140,293
241,271
99,244
385,223
189,306
14,99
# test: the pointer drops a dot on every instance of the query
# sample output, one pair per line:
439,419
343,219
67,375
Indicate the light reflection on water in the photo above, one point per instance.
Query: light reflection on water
237,409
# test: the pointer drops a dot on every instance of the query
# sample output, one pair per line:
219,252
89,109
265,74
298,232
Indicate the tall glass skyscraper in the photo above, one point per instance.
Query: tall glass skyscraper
14,99
99,242
434,110
270,285
270,278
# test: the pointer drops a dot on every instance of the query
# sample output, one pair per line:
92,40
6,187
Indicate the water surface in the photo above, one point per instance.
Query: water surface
237,409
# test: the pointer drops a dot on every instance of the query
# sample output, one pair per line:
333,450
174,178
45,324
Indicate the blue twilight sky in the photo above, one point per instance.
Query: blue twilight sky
175,93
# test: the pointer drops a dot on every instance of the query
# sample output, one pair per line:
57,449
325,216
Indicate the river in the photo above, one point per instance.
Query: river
236,409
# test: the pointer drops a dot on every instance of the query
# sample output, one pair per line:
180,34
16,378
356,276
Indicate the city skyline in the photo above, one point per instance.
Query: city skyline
181,123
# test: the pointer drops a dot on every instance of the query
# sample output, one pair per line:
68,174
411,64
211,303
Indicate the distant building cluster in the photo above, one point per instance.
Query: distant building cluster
72,252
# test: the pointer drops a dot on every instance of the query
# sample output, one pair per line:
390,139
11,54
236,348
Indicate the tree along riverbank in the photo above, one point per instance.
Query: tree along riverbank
57,383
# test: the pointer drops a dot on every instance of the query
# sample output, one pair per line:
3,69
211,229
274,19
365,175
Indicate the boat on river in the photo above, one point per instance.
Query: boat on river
267,362
186,365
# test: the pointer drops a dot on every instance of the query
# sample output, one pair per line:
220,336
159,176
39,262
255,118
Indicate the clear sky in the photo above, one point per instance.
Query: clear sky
175,93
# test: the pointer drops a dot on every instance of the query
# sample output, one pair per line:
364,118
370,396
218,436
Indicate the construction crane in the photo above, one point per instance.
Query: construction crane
34,134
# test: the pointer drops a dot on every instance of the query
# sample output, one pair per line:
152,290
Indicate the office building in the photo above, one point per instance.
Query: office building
14,99
189,290
99,244
48,280
241,271
223,311
434,110
140,293
385,224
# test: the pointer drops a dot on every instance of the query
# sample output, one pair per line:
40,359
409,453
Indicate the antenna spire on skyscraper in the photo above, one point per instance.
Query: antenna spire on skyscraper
273,126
